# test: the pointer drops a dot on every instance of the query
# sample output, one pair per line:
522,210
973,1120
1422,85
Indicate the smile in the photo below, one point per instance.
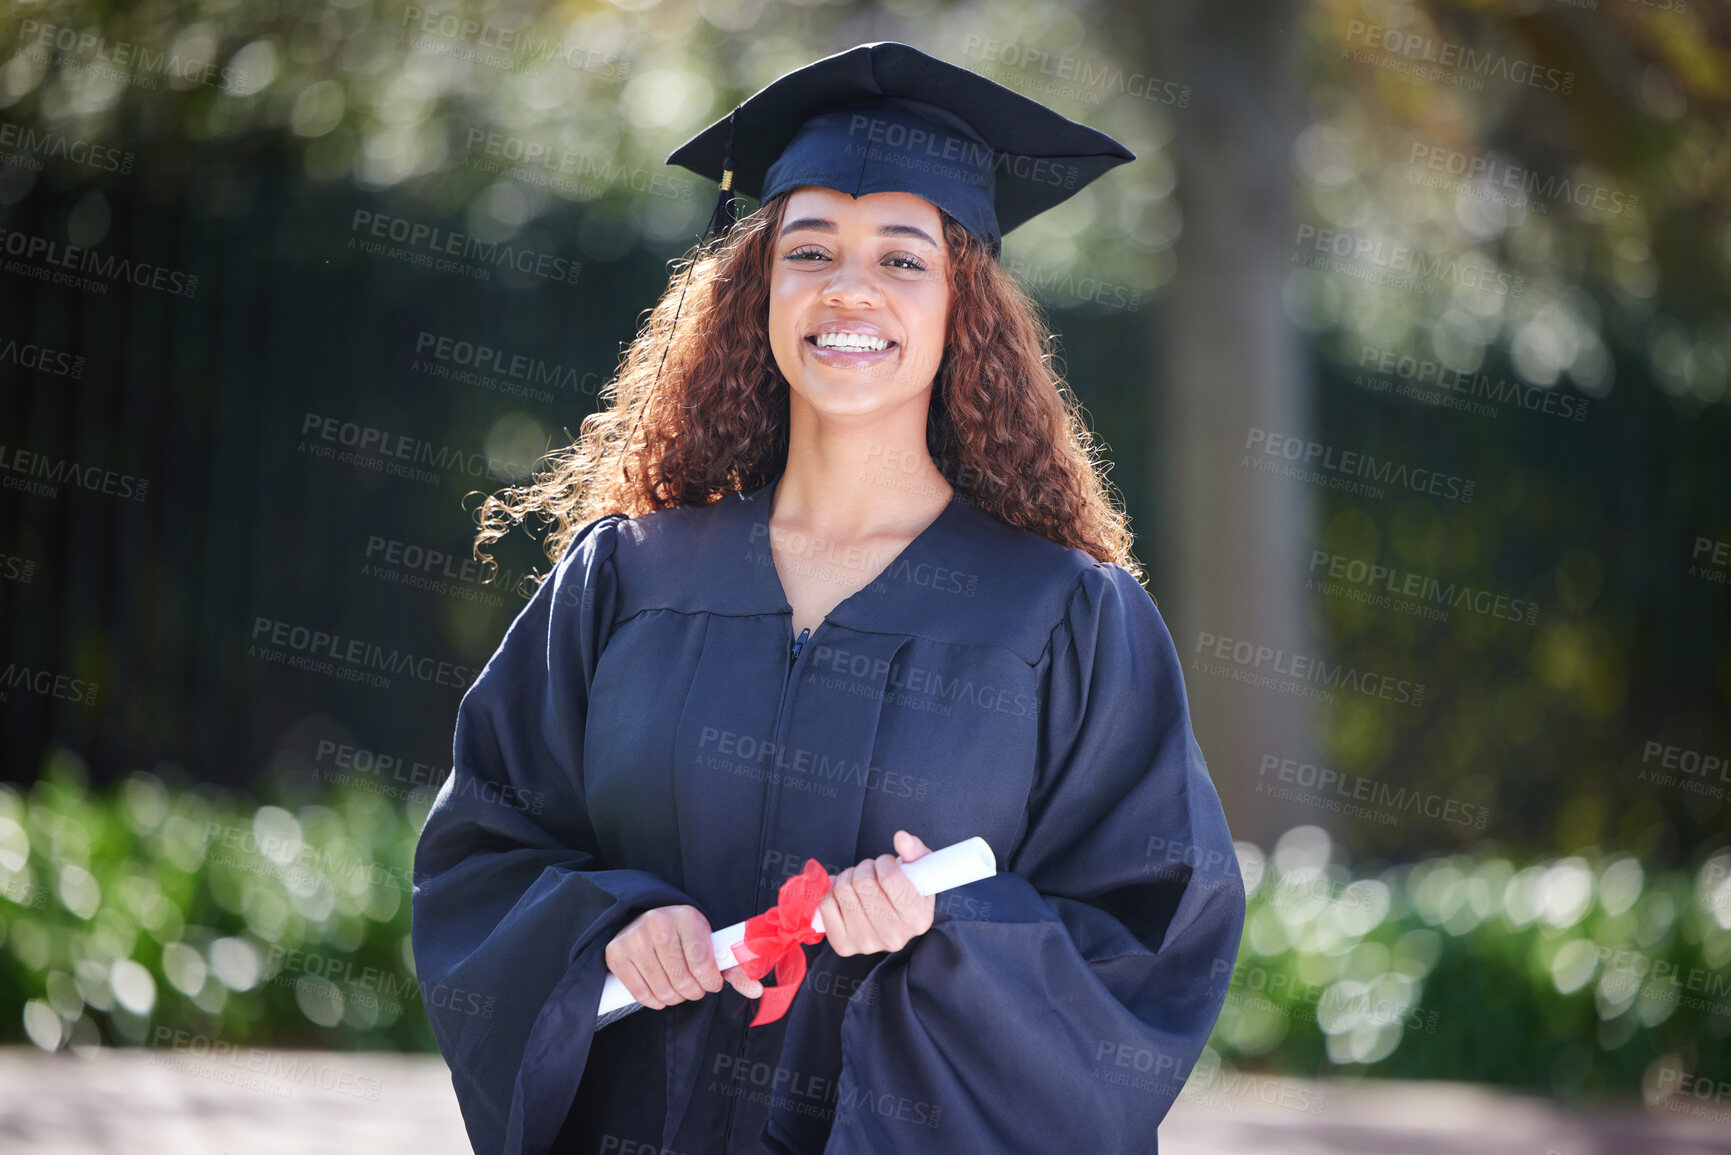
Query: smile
850,342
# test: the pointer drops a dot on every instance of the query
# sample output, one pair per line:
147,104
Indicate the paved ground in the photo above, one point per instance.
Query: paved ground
310,1103
1405,1118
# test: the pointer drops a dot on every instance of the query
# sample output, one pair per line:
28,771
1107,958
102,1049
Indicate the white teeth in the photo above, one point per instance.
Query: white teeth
857,341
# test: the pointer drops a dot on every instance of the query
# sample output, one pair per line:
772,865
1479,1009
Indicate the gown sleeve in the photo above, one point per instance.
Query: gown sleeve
1069,1010
512,908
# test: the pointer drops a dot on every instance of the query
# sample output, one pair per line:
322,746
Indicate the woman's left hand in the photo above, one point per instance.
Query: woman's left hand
873,907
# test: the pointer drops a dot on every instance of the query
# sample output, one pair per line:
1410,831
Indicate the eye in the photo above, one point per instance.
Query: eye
908,262
807,252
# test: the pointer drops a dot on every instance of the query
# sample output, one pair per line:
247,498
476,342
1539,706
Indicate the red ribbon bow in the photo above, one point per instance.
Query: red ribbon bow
773,938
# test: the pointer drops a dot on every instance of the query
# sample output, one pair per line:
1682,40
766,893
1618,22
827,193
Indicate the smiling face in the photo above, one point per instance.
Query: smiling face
859,293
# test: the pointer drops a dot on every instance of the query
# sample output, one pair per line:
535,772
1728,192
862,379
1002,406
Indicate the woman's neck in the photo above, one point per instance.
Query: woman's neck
855,483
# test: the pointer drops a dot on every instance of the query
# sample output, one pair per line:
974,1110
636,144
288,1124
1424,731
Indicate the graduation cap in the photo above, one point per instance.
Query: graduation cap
886,117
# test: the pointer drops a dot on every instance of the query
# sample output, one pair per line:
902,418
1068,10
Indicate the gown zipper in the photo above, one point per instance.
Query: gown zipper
794,650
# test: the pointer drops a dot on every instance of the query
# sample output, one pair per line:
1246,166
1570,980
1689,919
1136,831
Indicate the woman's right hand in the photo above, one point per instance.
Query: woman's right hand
664,956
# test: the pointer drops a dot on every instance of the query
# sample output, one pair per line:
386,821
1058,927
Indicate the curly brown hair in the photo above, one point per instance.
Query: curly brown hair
1002,426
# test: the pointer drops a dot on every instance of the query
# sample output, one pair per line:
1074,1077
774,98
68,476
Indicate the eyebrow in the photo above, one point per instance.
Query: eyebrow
822,225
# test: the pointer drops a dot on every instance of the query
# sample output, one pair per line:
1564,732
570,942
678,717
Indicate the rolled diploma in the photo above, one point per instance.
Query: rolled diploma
956,865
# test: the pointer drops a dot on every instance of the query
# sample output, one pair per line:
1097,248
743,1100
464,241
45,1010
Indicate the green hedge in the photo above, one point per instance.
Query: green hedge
141,910
133,913
1573,976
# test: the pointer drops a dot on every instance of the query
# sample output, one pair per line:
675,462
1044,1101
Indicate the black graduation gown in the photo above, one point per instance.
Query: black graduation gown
644,737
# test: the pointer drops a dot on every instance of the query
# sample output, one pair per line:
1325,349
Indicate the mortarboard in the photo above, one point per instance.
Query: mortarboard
887,117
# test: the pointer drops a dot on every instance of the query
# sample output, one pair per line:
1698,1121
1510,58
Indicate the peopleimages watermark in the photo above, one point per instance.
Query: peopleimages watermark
891,467
904,684
1630,973
1137,1067
1388,587
1201,867
353,659
1360,474
397,454
136,64
814,770
25,146
1311,886
1073,77
1692,771
348,764
1434,383
1295,673
844,565
434,570
1358,797
952,155
566,169
1063,282
1396,266
23,890
17,569
371,986
807,1094
1275,992
40,475
47,684
432,247
493,369
1710,561
54,263
1486,178
780,865
297,864
1447,62
1696,1095
612,1144
28,355
265,1067
448,33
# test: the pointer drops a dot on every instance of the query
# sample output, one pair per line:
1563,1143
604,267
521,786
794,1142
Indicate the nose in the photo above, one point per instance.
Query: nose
850,284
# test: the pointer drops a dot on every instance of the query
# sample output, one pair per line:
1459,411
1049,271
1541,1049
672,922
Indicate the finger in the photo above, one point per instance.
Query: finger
870,889
885,923
896,899
700,953
915,910
860,910
837,930
670,948
846,897
860,901
648,964
900,894
902,890
834,926
910,847
621,961
743,983
637,985
656,950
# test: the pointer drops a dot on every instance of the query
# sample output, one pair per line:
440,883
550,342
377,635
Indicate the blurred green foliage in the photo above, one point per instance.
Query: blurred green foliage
141,910
1571,976
142,907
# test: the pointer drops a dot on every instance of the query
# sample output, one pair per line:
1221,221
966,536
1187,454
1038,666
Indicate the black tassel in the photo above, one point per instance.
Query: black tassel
725,213
720,221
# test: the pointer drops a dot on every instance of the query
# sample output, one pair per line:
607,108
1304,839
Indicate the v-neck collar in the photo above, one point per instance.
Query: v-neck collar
854,610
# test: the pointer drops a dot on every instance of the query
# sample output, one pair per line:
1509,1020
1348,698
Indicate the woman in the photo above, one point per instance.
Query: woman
836,579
